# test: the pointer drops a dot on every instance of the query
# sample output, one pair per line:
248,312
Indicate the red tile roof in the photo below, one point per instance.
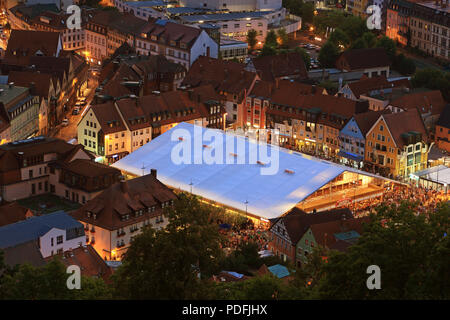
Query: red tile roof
366,84
125,198
172,106
275,67
13,212
324,232
108,117
427,102
297,222
357,59
89,261
404,122
23,44
42,81
366,120
224,76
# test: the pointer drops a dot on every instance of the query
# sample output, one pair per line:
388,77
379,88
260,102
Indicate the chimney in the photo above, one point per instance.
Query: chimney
153,172
20,157
33,88
123,184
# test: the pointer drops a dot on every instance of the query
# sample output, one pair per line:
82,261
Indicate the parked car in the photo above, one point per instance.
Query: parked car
65,122
76,111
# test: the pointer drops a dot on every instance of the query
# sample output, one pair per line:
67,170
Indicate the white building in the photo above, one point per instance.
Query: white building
54,233
234,5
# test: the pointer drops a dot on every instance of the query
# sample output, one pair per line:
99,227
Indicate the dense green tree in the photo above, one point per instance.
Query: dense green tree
251,38
271,39
244,258
404,65
328,55
305,56
173,262
282,38
307,12
433,79
354,26
268,51
389,45
49,283
339,38
411,250
370,39
359,43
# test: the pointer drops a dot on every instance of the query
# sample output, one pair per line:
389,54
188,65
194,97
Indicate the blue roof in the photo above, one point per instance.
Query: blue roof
279,271
347,235
145,3
235,274
35,227
183,10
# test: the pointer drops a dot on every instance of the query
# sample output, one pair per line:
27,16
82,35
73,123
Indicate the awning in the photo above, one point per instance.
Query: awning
350,156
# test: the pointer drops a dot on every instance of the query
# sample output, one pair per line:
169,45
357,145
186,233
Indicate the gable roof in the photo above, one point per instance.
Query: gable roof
297,222
356,59
366,120
328,233
427,102
42,81
35,227
108,117
273,67
366,84
89,261
27,252
403,122
12,212
124,198
224,76
23,44
444,118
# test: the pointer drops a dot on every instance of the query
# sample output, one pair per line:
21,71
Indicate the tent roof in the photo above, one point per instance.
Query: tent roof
267,196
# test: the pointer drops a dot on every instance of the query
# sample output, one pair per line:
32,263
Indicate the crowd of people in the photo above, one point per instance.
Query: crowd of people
427,199
243,233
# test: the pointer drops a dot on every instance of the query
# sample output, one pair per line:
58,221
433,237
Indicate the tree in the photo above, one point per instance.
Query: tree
328,55
412,251
282,38
404,65
370,39
339,38
354,26
433,79
389,45
251,38
359,43
172,263
49,283
271,39
307,12
268,51
305,56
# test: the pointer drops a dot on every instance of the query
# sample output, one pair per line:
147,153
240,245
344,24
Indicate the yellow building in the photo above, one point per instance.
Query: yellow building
396,144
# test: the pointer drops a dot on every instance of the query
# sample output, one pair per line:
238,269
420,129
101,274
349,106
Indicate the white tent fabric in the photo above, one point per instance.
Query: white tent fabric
240,186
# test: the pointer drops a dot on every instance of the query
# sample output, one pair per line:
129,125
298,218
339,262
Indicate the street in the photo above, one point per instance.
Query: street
69,132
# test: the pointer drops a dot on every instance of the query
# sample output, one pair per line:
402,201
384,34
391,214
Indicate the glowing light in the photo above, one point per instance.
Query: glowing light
318,39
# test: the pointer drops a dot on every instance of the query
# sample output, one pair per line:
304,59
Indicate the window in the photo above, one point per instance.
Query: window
59,239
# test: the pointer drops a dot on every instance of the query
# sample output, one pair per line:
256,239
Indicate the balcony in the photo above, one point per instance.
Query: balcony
120,234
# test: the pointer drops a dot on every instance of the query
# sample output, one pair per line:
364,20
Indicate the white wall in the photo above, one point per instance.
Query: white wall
47,248
200,47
